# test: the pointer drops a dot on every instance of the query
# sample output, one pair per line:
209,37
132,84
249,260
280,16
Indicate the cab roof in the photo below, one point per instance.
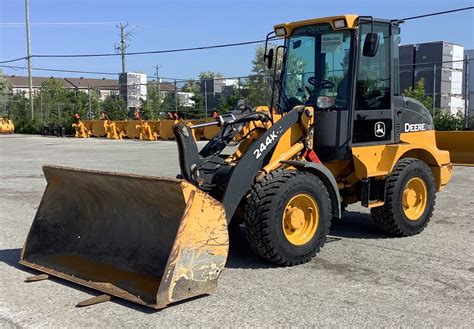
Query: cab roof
351,23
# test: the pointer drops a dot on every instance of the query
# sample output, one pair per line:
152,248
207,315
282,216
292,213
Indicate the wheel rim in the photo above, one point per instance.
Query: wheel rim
300,219
415,196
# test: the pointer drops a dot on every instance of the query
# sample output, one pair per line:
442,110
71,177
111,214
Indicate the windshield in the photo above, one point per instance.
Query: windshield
317,64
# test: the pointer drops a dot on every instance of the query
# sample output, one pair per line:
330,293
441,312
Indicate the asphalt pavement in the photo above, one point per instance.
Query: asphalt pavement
361,277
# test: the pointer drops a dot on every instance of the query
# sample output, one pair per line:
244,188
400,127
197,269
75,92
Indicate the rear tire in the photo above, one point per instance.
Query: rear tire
287,217
410,195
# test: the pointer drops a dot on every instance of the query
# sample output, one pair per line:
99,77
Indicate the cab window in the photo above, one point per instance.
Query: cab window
373,73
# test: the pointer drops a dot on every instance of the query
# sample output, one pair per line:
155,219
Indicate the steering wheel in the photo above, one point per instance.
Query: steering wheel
323,84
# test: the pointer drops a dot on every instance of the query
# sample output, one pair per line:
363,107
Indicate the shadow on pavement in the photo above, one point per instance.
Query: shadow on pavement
356,225
12,256
241,255
353,225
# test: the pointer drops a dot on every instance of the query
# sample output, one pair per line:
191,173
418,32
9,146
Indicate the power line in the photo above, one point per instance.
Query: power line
204,47
201,47
193,79
13,60
139,52
438,13
152,51
47,24
59,70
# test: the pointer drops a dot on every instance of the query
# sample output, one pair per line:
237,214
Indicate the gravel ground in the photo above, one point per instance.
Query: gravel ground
361,278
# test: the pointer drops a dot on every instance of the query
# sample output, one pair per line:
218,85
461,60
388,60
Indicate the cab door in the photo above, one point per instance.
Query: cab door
373,114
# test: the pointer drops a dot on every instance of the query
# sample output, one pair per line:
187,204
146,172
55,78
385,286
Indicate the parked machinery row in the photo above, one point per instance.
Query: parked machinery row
6,126
140,129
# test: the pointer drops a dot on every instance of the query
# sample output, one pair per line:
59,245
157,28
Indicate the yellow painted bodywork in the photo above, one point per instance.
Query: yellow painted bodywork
289,146
97,128
351,23
145,131
210,132
300,219
415,198
379,160
166,129
112,130
200,249
81,130
460,145
150,240
6,126
291,143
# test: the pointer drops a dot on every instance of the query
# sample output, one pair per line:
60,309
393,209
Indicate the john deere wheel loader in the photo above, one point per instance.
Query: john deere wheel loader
339,133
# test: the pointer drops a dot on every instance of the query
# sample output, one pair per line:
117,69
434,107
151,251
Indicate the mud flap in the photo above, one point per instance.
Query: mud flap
150,240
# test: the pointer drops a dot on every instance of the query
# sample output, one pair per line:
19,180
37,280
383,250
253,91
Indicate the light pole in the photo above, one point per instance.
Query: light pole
28,56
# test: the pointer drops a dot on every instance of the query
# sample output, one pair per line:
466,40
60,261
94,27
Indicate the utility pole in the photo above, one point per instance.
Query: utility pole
466,92
122,47
205,97
90,107
157,67
28,56
434,90
175,96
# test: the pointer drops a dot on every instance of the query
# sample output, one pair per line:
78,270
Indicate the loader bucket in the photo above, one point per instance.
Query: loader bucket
150,240
460,145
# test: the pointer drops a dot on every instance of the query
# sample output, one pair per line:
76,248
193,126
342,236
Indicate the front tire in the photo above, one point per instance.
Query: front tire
287,217
410,195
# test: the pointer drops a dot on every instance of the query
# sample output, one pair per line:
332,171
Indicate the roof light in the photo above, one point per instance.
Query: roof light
339,23
280,31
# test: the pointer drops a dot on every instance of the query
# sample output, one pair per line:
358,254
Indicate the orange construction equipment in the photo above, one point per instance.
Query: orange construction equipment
112,130
285,176
103,245
166,128
80,127
146,131
6,126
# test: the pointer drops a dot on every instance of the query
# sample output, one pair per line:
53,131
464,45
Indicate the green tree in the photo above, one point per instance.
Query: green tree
210,75
152,106
5,92
193,86
443,120
418,93
259,84
116,107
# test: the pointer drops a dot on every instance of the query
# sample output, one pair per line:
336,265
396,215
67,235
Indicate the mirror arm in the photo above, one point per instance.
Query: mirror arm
268,37
274,77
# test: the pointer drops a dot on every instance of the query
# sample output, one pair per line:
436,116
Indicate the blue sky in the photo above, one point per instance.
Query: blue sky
165,24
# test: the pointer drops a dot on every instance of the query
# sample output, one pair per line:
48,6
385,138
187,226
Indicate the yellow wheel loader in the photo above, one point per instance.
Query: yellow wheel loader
339,133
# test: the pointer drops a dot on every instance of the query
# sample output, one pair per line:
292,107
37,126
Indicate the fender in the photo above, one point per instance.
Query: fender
254,160
328,179
244,172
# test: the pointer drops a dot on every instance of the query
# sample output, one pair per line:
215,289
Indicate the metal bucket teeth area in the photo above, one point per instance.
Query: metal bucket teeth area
150,240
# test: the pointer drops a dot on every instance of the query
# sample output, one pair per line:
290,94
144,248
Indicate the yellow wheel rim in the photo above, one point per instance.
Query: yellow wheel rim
300,219
414,200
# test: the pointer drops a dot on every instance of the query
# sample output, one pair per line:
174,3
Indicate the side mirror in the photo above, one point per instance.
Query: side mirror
296,44
371,45
268,58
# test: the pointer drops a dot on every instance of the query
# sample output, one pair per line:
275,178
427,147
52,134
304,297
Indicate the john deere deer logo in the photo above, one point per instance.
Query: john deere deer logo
380,129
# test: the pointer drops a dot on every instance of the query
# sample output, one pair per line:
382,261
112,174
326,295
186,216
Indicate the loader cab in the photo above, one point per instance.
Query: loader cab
328,65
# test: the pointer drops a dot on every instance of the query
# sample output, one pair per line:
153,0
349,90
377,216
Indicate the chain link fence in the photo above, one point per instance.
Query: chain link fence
444,93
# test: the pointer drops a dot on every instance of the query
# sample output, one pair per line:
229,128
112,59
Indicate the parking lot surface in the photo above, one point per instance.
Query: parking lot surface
361,277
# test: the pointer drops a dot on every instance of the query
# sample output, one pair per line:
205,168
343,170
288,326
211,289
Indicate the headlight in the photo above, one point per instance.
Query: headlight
280,31
339,23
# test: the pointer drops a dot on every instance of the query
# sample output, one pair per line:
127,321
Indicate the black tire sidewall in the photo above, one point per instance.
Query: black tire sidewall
312,186
421,170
